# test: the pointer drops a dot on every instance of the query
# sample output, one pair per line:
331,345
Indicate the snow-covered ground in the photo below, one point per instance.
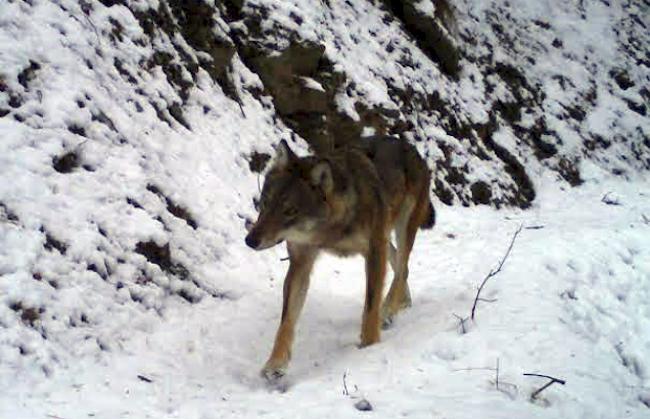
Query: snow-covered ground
572,301
126,289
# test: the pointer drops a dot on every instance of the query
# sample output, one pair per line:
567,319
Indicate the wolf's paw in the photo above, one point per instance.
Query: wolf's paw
274,370
272,374
368,340
387,323
275,379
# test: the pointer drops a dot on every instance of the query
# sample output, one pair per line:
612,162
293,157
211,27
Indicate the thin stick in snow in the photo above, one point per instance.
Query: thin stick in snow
474,369
144,378
494,271
462,321
552,381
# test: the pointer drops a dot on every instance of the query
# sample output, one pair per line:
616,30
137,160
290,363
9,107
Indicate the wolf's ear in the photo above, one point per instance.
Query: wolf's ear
283,155
321,175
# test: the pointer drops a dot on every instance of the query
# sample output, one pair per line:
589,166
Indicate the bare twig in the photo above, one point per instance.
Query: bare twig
552,381
502,386
646,220
284,258
546,376
462,321
345,386
144,378
535,227
495,271
488,300
474,369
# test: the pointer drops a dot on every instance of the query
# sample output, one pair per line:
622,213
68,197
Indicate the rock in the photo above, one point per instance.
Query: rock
363,405
481,193
429,32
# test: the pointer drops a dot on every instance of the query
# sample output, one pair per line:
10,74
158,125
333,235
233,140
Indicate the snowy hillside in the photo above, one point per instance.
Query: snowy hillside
133,134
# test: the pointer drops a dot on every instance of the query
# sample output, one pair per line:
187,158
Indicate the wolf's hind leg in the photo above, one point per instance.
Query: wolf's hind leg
392,256
399,295
375,273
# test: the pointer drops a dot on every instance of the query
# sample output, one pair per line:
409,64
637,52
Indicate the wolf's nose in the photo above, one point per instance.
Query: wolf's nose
252,242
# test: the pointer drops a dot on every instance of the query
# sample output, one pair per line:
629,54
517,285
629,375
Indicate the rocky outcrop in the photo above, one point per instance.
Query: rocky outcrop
431,32
307,85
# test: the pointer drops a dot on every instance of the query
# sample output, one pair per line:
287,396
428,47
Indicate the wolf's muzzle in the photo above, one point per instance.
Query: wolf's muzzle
252,241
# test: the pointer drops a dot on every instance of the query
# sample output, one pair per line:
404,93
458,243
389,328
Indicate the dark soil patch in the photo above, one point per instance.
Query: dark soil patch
161,256
173,208
67,162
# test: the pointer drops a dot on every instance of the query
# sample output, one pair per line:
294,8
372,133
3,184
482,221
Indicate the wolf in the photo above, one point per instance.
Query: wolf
346,202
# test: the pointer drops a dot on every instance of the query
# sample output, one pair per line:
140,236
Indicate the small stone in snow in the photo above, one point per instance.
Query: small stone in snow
363,405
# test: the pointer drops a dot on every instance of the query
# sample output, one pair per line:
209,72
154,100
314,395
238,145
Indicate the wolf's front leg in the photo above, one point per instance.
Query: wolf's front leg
375,273
295,288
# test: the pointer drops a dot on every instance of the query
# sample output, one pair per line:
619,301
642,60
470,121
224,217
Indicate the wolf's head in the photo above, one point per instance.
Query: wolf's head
293,203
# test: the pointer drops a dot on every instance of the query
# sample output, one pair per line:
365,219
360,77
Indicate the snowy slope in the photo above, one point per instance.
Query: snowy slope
125,286
549,84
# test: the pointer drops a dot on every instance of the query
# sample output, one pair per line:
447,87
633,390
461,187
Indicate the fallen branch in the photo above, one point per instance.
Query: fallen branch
552,381
495,271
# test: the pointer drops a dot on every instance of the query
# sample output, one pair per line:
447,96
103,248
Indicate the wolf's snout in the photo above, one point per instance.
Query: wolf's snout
252,241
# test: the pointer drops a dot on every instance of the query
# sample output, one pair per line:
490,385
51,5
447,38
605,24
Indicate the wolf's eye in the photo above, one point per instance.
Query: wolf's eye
290,211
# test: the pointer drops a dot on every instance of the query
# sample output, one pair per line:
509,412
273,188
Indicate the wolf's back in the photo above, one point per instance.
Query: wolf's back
397,161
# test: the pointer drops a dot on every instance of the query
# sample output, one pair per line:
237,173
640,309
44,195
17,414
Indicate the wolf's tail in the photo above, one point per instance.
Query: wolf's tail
430,219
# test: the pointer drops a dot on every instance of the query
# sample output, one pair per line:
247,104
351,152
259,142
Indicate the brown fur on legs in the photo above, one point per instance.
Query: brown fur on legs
296,284
375,273
410,219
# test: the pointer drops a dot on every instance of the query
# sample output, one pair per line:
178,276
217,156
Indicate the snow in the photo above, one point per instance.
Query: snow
92,329
312,84
572,301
